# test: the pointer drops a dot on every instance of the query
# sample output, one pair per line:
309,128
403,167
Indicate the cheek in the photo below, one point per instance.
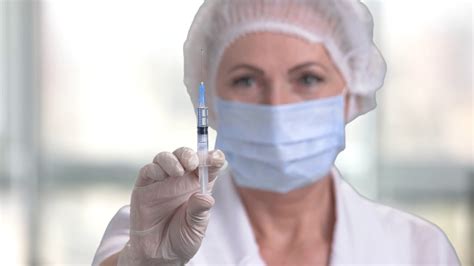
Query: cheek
246,97
334,86
338,80
221,89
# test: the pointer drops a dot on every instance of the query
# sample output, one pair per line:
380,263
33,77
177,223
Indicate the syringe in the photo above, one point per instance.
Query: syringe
202,139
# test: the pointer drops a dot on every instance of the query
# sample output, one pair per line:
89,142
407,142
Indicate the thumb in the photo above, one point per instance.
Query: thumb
190,231
197,212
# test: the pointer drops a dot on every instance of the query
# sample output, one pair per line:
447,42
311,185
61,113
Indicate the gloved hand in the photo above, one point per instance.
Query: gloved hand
168,215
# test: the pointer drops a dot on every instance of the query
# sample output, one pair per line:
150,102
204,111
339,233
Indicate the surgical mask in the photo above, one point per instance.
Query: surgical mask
280,147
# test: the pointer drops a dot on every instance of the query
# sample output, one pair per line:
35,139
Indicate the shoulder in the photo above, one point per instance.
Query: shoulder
397,234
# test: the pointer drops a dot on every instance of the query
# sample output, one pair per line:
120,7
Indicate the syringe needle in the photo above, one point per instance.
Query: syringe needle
202,68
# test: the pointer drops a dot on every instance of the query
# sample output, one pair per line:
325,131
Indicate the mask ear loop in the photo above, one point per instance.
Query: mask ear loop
348,102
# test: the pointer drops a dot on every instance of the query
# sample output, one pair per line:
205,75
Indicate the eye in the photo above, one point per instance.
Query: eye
309,80
243,82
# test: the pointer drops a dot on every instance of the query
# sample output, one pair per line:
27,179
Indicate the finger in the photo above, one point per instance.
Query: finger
149,174
191,226
197,212
188,158
169,163
216,160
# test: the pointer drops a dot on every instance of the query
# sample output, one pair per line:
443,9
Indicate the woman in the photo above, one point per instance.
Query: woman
284,79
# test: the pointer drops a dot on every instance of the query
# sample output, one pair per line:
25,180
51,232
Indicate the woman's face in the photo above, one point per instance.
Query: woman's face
272,69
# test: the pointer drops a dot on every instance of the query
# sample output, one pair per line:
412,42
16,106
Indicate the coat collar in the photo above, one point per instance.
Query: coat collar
343,235
231,215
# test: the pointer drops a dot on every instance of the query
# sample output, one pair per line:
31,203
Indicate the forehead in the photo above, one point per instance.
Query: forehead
270,46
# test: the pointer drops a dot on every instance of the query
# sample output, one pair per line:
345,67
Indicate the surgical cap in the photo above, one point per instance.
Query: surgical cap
345,27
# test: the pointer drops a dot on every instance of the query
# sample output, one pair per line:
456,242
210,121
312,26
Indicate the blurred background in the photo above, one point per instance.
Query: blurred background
91,90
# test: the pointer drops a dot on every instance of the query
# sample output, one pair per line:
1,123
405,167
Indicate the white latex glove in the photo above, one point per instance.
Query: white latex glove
168,215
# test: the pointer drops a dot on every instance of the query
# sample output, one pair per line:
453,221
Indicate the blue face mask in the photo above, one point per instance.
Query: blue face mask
284,147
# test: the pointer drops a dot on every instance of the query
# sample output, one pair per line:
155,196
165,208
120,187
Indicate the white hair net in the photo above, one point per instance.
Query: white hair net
345,27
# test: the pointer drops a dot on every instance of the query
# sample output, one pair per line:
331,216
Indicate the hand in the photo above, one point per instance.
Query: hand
168,215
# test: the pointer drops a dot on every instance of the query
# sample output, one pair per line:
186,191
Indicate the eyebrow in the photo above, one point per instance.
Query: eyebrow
261,72
304,65
247,66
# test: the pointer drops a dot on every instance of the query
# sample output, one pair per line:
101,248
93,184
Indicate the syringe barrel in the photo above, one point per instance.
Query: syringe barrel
202,142
202,147
202,137
202,117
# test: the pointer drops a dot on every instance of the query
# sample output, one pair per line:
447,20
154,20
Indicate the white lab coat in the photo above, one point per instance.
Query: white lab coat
365,233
